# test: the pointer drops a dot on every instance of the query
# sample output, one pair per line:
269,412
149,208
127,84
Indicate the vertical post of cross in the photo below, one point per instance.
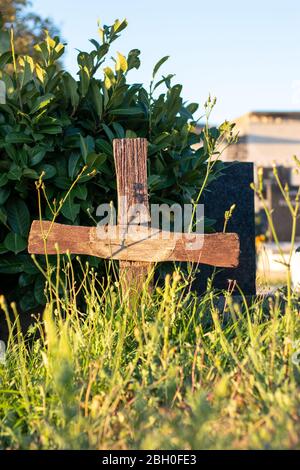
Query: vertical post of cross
130,157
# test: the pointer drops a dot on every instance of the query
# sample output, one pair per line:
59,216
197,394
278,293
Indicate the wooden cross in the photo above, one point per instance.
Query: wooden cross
136,254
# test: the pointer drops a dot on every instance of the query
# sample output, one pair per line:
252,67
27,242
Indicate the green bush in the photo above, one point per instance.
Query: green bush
53,124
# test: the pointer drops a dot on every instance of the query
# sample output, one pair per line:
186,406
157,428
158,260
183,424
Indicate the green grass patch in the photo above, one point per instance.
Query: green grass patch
172,371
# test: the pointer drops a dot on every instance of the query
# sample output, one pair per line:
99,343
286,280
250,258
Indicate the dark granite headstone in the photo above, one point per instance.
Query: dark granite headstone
233,187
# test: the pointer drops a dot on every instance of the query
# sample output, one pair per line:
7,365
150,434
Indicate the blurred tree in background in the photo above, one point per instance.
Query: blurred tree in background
28,26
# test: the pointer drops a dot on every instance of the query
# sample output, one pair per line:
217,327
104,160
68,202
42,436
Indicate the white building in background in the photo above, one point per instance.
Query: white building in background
266,138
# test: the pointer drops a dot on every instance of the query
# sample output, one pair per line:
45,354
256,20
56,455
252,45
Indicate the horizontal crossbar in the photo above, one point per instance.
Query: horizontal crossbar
135,244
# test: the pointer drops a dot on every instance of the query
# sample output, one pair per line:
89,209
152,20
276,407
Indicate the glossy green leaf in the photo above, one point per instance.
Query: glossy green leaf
4,41
15,243
70,209
102,51
5,58
18,216
133,60
62,182
84,76
48,171
108,132
28,265
52,130
74,160
110,78
103,146
97,98
130,134
42,102
71,89
15,173
18,138
159,64
80,191
25,74
95,161
3,179
11,265
119,130
4,195
126,111
118,26
84,148
3,216
31,174
37,156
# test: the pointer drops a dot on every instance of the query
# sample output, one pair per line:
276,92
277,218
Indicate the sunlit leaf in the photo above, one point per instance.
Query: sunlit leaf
42,102
121,63
159,64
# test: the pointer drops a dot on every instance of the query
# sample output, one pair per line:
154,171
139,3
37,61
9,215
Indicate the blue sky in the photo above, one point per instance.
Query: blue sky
247,54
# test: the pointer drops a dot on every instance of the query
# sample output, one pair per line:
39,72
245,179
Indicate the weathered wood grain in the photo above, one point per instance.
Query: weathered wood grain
130,156
145,246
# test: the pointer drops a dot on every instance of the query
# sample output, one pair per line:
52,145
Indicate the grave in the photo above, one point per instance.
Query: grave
136,255
233,187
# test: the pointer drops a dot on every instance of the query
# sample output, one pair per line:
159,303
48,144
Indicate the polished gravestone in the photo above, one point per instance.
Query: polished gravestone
233,187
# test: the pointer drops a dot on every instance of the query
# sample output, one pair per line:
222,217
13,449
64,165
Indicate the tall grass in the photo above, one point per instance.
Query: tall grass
174,372
171,371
